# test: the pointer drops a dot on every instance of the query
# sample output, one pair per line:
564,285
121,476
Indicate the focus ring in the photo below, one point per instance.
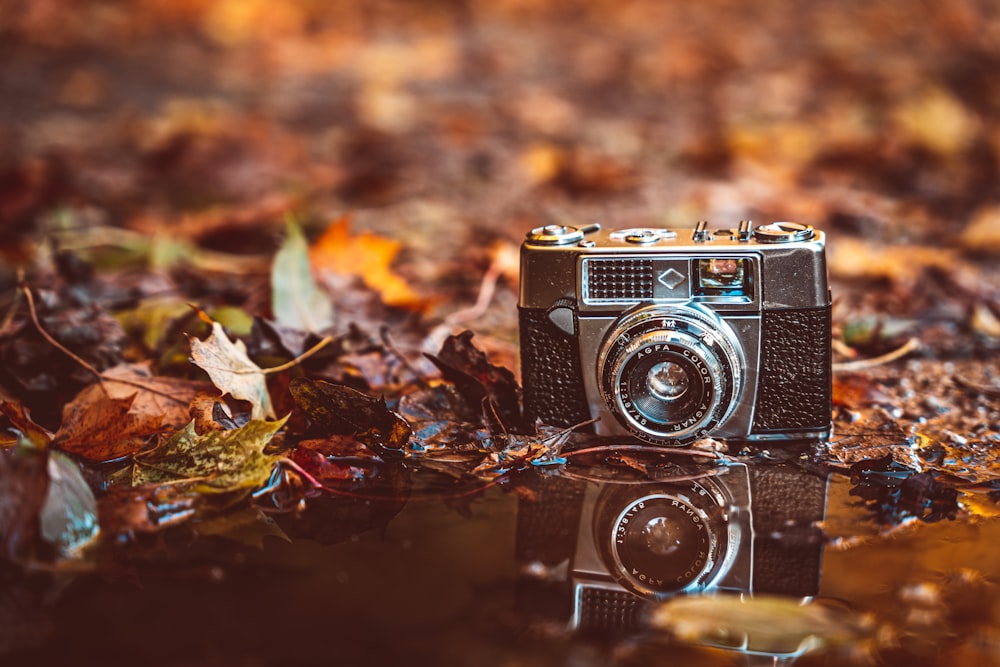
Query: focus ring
647,341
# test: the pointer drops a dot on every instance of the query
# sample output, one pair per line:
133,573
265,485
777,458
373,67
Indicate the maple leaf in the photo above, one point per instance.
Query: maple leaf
232,371
216,462
367,256
296,300
117,416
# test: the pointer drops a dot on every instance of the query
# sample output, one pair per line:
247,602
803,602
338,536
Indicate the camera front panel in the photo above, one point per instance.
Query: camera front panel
670,372
749,313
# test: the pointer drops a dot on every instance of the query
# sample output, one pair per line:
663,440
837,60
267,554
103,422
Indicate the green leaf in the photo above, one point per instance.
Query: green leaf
296,299
216,462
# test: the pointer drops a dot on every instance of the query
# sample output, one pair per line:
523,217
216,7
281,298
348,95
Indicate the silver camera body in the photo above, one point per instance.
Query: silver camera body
670,335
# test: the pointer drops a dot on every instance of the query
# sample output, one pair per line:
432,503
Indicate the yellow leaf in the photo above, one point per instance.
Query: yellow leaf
938,121
367,256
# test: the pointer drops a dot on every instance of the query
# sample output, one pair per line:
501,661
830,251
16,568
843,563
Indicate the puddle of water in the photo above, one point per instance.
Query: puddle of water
548,569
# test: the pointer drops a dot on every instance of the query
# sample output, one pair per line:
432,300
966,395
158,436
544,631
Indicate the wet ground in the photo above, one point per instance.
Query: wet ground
140,135
540,570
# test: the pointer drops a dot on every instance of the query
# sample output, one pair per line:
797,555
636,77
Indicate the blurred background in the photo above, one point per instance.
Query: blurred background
451,125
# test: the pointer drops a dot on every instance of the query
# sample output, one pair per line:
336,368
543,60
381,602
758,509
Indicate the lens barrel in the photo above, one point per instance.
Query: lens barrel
670,374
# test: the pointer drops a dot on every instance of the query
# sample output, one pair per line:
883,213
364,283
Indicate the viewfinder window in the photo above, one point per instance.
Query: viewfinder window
722,276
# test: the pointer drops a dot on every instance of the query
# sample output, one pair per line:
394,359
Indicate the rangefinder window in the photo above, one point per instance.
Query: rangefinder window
723,276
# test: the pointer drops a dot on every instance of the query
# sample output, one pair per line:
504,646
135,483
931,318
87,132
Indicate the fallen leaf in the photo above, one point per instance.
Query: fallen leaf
117,416
296,300
984,321
216,462
27,431
982,234
68,518
467,367
102,429
125,510
856,391
937,120
23,486
366,256
338,410
232,371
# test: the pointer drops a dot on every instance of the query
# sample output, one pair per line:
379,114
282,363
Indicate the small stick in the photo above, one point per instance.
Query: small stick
45,334
326,340
612,449
101,379
487,288
862,364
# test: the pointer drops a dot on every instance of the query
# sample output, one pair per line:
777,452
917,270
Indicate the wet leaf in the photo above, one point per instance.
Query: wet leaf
895,494
463,364
296,300
129,511
232,371
117,416
23,429
68,518
216,462
338,410
24,484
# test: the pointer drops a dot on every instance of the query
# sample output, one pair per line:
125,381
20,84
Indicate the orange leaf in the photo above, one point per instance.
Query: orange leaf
367,256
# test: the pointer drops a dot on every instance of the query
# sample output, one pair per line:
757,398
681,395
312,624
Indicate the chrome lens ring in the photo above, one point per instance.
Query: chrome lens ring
688,339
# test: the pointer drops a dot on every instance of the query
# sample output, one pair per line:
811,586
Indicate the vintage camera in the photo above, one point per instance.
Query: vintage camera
609,547
671,335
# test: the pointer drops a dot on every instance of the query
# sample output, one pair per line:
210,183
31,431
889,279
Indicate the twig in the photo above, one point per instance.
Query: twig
326,340
989,391
284,460
862,364
45,334
419,377
487,288
12,311
613,449
101,379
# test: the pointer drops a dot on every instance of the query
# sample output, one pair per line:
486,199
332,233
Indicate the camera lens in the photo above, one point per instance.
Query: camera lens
667,381
670,373
662,543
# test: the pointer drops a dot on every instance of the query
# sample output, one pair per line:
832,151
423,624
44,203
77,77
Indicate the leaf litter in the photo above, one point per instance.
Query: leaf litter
895,155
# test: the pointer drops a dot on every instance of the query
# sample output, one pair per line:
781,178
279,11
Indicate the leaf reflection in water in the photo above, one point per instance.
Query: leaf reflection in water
768,624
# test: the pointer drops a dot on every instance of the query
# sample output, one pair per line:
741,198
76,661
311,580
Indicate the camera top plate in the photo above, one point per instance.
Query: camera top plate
782,232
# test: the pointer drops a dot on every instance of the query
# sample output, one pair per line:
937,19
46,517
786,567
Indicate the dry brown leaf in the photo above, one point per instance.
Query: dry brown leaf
116,417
